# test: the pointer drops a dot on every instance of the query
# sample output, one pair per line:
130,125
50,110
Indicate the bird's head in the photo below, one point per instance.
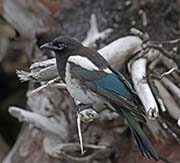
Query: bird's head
62,45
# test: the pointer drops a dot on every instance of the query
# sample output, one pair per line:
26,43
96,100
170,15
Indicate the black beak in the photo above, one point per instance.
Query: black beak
49,46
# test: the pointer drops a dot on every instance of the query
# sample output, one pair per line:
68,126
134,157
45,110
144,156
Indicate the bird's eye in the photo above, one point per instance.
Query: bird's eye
61,46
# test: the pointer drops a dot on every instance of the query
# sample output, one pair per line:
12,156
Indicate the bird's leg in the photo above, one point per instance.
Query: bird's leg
86,112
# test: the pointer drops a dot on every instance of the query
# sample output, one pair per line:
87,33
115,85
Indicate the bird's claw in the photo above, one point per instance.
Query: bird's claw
87,113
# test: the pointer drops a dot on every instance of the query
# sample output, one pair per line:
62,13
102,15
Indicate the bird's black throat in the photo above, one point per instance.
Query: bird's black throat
61,61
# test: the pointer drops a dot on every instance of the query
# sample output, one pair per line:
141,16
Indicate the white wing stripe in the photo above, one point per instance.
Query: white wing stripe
83,62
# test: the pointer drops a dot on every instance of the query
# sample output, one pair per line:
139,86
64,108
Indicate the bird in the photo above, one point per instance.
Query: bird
91,80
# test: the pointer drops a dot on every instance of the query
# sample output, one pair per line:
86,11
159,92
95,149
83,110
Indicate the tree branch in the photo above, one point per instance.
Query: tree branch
171,87
93,34
169,102
49,125
138,72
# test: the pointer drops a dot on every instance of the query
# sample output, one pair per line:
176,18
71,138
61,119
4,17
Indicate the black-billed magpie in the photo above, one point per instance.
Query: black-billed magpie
91,80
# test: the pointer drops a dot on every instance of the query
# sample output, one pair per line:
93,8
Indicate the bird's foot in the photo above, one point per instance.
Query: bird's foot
87,113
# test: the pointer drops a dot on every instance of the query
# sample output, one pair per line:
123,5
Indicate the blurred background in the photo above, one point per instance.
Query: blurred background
26,24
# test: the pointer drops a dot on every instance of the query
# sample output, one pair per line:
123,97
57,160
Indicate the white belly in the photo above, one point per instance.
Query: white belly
79,91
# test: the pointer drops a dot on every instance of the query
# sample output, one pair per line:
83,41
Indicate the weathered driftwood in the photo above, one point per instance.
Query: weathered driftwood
123,49
46,124
172,107
142,87
171,87
58,125
93,34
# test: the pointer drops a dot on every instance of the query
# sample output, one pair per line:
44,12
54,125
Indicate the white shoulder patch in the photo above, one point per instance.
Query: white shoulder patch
83,62
107,70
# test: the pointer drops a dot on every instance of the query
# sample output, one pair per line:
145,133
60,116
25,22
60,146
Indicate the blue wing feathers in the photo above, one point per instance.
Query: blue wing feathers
111,82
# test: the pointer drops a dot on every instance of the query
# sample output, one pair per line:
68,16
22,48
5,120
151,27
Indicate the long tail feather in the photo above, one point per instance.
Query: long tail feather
143,143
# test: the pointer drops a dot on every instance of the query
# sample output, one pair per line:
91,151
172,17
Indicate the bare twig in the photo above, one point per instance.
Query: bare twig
49,84
170,54
168,72
175,41
169,64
